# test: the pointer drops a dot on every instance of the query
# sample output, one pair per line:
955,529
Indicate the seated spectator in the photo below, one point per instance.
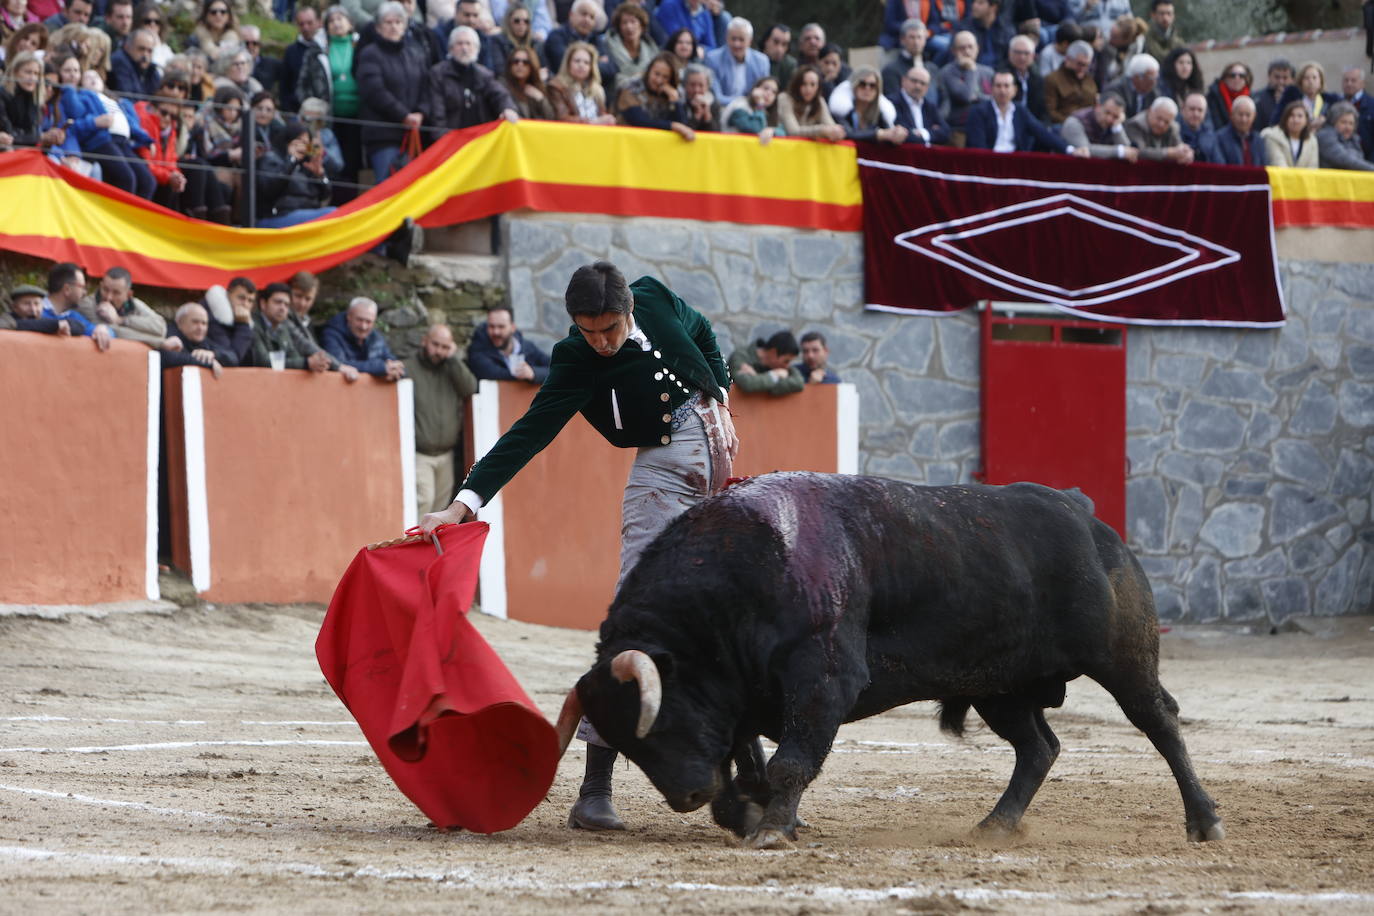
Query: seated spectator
1196,130
309,41
187,343
580,28
266,70
132,71
963,84
683,45
118,20
815,357
916,112
442,386
1003,125
126,135
706,19
32,38
871,116
352,338
66,289
756,113
1030,85
217,132
1155,134
1180,75
1099,13
499,351
655,100
161,119
236,69
391,74
993,33
777,47
216,31
1290,142
98,52
833,68
518,31
148,16
76,11
1234,83
1138,86
431,41
231,321
769,367
1352,91
89,125
26,314
1125,40
627,42
703,110
1311,84
1098,130
1161,36
736,66
314,114
292,187
23,100
525,85
802,109
1338,145
576,91
115,305
910,52
1052,54
1071,88
1238,143
1267,106
811,44
462,92
202,83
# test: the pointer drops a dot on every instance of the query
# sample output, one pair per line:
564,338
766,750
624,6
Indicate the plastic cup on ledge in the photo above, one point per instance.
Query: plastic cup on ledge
278,358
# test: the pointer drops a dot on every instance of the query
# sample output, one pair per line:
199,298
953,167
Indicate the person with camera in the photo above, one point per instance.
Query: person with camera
292,188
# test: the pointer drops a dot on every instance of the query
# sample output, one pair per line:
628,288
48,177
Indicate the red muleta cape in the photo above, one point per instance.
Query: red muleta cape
453,728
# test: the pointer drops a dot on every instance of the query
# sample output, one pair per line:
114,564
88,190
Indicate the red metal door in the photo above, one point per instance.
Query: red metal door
1054,407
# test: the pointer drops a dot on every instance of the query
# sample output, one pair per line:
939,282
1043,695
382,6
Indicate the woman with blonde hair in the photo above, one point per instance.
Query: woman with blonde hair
576,92
98,51
70,39
217,30
517,31
802,109
1311,83
1289,142
872,117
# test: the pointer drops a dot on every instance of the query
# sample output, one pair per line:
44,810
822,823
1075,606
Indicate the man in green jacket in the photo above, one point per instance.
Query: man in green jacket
644,369
442,386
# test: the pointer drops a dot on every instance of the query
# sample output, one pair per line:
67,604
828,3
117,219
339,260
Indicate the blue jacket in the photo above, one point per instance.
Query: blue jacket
993,40
125,77
77,322
486,361
930,113
370,356
1203,141
709,30
1029,133
1229,151
722,64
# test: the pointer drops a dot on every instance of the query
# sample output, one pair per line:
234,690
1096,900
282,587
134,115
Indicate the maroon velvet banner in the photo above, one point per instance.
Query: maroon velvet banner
1140,243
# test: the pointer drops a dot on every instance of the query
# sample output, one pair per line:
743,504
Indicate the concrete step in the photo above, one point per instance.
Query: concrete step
453,269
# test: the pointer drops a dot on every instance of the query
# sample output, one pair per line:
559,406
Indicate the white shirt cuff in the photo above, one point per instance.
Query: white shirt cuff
470,499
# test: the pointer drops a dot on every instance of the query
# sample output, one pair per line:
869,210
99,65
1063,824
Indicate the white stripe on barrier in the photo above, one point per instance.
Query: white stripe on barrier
405,413
197,502
154,591
486,429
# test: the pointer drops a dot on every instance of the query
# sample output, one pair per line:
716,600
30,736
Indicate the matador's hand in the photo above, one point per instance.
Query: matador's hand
457,512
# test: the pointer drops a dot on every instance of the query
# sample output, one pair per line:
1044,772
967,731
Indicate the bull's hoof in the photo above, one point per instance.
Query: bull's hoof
1214,833
768,838
997,830
594,812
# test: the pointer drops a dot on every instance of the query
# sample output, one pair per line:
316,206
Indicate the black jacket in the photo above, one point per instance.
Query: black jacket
463,95
392,77
284,186
25,120
486,361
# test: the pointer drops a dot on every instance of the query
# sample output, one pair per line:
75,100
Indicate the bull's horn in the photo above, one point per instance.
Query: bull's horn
633,664
568,717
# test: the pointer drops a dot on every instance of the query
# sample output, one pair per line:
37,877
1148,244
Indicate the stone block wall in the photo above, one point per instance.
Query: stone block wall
1252,451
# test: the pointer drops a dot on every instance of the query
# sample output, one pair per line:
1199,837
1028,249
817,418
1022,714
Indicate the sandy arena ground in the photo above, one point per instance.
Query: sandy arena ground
198,762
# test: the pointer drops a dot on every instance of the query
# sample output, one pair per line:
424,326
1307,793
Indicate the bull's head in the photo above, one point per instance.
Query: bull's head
642,710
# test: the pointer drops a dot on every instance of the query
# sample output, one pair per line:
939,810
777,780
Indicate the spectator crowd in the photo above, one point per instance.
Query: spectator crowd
108,89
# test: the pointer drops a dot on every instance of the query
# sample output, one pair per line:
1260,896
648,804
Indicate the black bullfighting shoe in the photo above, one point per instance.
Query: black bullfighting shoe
594,812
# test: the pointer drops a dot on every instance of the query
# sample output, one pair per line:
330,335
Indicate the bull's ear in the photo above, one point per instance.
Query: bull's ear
663,661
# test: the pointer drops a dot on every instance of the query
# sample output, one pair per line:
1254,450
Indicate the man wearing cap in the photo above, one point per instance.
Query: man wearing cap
26,313
644,369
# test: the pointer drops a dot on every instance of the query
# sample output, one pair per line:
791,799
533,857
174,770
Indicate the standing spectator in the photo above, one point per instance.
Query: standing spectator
1053,53
916,112
1338,145
1098,129
328,75
707,19
442,386
217,30
309,41
1155,134
1196,130
777,46
1030,85
462,92
1267,104
1003,125
132,70
499,351
655,99
756,113
963,83
66,289
391,75
1312,84
576,91
353,339
115,305
1071,87
125,134
581,27
769,367
362,12
810,43
871,116
815,358
187,344
802,109
266,70
736,66
1290,142
1180,75
1233,83
992,33
1238,143
1138,86
1161,37
490,53
703,111
627,42
1352,91
118,20
525,86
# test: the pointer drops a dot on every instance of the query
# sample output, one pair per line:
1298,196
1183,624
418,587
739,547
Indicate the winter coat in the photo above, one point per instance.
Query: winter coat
463,95
392,77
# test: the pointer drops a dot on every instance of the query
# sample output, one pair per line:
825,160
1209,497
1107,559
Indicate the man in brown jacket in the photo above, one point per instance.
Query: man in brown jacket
1071,87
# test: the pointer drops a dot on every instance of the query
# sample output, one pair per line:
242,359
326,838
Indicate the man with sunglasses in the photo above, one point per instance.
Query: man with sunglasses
266,70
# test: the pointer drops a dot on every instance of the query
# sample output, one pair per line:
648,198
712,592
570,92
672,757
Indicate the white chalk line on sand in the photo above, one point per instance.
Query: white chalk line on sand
182,745
469,879
177,722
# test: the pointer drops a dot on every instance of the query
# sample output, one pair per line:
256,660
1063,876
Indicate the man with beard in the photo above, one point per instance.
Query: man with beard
499,351
442,385
462,92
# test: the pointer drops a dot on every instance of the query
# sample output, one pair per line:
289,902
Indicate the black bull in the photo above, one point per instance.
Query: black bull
793,603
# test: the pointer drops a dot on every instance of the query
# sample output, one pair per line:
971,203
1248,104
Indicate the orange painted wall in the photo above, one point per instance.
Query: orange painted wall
301,470
74,441
562,512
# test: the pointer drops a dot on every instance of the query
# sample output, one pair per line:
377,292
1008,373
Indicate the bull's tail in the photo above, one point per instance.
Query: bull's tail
953,711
